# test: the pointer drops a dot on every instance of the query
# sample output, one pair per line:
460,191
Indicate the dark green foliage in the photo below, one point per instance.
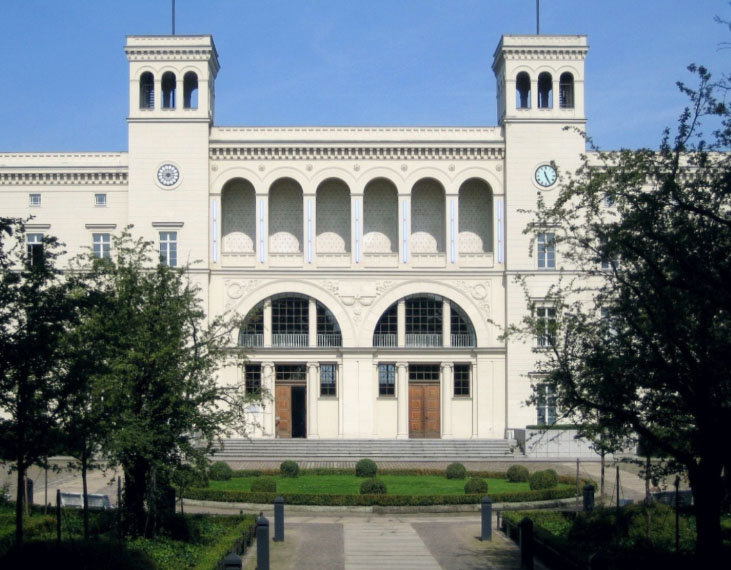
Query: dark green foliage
517,474
546,479
373,487
289,468
456,471
475,485
366,468
220,471
264,485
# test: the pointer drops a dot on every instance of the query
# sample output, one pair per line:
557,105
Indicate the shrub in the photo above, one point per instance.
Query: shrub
366,468
220,471
543,480
289,468
263,485
456,471
475,485
517,474
373,487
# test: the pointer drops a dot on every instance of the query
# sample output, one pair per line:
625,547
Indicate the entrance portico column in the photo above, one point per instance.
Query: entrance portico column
402,403
312,323
268,323
267,383
401,323
313,375
447,389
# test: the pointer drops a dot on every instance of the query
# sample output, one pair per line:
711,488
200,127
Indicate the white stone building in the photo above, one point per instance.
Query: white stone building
375,264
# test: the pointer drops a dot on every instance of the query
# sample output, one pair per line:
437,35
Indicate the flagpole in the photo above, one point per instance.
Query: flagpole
538,17
173,17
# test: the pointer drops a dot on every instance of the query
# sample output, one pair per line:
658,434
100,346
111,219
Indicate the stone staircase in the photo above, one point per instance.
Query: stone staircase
422,450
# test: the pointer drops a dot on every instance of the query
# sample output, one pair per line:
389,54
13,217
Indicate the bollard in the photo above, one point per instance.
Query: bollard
486,518
588,497
262,543
232,562
526,544
279,519
58,516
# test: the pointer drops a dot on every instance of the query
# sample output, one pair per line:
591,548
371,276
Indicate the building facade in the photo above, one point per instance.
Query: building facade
374,267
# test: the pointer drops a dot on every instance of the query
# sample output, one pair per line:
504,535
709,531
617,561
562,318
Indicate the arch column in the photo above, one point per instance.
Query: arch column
267,318
401,323
446,324
404,226
356,227
312,323
473,393
447,390
452,224
262,228
402,403
309,224
313,375
267,382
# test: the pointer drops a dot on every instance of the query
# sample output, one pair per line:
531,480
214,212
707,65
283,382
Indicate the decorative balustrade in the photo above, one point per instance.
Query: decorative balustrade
384,340
463,340
232,259
423,340
329,340
290,340
251,340
333,259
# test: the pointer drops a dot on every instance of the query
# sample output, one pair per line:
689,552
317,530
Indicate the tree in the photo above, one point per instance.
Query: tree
641,343
161,354
36,308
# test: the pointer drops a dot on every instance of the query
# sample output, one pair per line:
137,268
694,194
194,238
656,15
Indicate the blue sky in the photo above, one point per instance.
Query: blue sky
346,62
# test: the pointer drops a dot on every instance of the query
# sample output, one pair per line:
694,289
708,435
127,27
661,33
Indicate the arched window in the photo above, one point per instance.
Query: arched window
147,91
475,217
522,90
328,330
168,90
427,217
545,91
566,91
424,320
387,328
238,212
190,90
251,333
461,328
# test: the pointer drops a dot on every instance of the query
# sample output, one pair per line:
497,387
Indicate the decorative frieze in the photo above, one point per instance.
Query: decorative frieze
316,152
65,178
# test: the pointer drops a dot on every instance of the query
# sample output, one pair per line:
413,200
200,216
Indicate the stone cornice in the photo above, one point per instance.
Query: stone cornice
58,177
347,152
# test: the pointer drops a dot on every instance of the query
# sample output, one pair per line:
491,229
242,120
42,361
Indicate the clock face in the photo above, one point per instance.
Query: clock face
168,175
546,175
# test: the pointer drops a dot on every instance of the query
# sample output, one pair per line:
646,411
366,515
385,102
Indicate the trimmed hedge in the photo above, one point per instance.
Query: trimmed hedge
370,500
373,487
456,471
517,473
569,479
366,468
264,485
475,485
547,479
220,471
289,468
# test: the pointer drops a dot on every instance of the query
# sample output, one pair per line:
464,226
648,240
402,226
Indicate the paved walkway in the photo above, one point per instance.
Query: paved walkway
367,542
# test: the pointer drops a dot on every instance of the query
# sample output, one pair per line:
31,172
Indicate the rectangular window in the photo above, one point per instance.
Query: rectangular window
100,199
386,379
462,380
546,325
424,372
327,380
253,378
34,200
546,251
34,245
291,372
546,405
102,245
169,248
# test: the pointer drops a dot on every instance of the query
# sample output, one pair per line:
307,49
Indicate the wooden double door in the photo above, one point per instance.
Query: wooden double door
290,406
424,411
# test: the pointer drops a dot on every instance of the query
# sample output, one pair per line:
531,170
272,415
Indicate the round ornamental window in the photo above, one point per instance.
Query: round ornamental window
168,175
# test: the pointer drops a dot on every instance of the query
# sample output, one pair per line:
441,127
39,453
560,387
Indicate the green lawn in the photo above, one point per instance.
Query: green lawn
350,485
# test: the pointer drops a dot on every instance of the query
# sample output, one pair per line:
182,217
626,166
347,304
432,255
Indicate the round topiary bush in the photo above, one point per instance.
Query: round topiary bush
373,487
456,471
543,480
220,471
289,468
517,474
366,468
264,485
475,486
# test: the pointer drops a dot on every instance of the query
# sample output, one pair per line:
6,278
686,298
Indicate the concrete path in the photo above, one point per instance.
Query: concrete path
384,542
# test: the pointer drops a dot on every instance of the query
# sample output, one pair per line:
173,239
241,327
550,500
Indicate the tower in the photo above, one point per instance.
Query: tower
171,108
